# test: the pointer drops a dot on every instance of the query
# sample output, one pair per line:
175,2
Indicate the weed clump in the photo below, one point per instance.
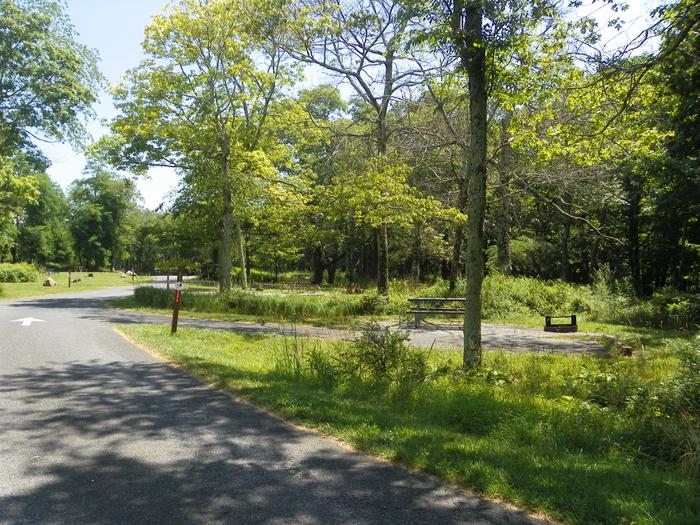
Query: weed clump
378,357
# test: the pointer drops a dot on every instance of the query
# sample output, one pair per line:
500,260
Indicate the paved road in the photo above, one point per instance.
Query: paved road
93,430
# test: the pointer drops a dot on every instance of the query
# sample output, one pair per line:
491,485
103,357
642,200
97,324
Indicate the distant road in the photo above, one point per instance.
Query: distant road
93,430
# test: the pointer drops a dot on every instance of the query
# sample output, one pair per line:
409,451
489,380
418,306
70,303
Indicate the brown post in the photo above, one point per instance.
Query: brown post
176,302
69,278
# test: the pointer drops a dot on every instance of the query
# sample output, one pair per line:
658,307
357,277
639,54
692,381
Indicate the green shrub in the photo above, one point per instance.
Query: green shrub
290,361
18,273
294,306
254,275
380,355
322,369
606,300
673,420
506,297
503,298
372,303
666,309
613,385
153,297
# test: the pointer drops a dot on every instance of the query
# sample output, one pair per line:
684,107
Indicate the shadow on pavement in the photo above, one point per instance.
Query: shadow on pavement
60,303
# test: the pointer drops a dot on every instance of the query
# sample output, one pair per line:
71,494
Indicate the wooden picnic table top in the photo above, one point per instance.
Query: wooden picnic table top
437,299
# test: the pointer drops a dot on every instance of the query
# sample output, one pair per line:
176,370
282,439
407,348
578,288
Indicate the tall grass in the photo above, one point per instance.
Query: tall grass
263,276
650,407
331,306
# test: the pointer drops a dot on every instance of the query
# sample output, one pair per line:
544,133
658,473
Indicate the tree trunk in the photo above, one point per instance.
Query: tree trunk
416,256
365,259
459,236
473,59
677,276
565,272
456,256
349,273
383,260
317,263
565,250
383,234
634,198
242,254
331,269
226,242
503,263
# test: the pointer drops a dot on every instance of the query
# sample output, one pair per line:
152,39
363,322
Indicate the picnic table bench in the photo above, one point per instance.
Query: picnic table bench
571,326
424,306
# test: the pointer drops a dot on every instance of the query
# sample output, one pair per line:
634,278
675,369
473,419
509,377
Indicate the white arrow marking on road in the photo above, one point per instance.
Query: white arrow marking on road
27,321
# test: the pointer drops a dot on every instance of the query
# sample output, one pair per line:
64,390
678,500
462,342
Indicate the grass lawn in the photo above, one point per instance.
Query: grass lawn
99,280
521,430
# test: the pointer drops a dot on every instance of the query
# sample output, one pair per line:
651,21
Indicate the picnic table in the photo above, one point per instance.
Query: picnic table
421,307
550,326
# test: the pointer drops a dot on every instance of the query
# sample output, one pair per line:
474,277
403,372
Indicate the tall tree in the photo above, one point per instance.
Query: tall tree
44,234
359,41
100,204
200,102
479,33
47,81
17,189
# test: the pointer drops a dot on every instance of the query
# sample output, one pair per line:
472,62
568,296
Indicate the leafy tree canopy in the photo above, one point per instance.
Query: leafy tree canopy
47,79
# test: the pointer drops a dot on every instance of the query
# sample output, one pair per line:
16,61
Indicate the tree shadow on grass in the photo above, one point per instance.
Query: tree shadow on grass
96,442
568,485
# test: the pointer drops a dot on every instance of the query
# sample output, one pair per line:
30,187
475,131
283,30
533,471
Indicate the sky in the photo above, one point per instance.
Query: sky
114,28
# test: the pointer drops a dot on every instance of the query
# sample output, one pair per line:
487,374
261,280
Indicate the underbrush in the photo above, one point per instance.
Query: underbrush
507,297
666,309
18,273
504,298
263,276
583,439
